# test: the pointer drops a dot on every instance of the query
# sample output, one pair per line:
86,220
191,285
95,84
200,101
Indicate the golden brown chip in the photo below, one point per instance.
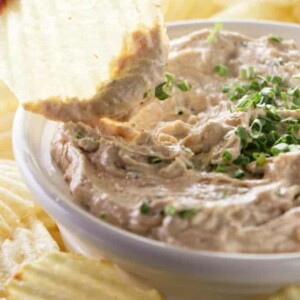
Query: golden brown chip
28,241
23,236
8,102
188,9
257,9
65,276
289,293
90,58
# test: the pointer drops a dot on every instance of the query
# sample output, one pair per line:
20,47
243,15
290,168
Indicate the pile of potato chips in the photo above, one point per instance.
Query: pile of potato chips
32,262
277,10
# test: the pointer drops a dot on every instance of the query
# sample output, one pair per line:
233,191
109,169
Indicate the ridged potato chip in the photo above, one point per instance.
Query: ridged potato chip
188,9
26,231
68,276
257,9
289,293
10,180
82,60
27,242
8,105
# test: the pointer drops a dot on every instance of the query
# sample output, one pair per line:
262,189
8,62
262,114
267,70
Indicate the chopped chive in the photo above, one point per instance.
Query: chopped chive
103,215
225,89
280,148
287,139
184,86
275,38
242,134
212,38
268,91
170,210
170,78
147,94
227,156
190,166
153,160
80,135
260,159
145,208
245,103
276,80
239,174
256,128
242,160
248,73
283,96
243,74
161,93
221,70
220,168
254,85
187,213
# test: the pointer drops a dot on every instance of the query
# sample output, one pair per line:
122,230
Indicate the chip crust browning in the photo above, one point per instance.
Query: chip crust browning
106,56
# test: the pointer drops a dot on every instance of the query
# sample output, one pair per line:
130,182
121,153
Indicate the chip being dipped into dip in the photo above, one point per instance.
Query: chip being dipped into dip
82,60
212,162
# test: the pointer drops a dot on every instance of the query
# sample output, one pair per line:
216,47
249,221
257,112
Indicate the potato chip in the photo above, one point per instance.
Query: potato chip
7,154
256,9
296,11
52,228
26,231
26,243
11,182
74,277
82,60
290,293
23,236
8,103
7,122
188,9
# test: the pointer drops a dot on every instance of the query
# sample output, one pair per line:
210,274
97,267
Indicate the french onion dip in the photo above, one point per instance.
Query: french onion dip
213,162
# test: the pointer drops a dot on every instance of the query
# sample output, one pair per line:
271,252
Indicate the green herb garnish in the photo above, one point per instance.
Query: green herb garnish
145,208
170,78
161,92
220,168
170,210
243,135
80,135
248,73
187,213
103,215
260,159
221,70
212,38
184,85
153,160
275,38
280,148
227,157
239,174
190,166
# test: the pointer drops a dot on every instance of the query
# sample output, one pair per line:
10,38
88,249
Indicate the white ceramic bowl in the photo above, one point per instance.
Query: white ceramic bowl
179,273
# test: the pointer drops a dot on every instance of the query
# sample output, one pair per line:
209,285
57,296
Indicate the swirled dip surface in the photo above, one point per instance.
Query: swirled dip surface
215,166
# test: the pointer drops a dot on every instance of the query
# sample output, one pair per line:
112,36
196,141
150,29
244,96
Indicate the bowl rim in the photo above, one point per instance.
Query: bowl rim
62,207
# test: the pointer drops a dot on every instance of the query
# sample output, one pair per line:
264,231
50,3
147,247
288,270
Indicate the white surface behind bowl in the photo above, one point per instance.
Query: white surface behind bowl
181,274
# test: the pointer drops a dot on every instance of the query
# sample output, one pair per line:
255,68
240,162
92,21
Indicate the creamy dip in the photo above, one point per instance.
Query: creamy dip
212,163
